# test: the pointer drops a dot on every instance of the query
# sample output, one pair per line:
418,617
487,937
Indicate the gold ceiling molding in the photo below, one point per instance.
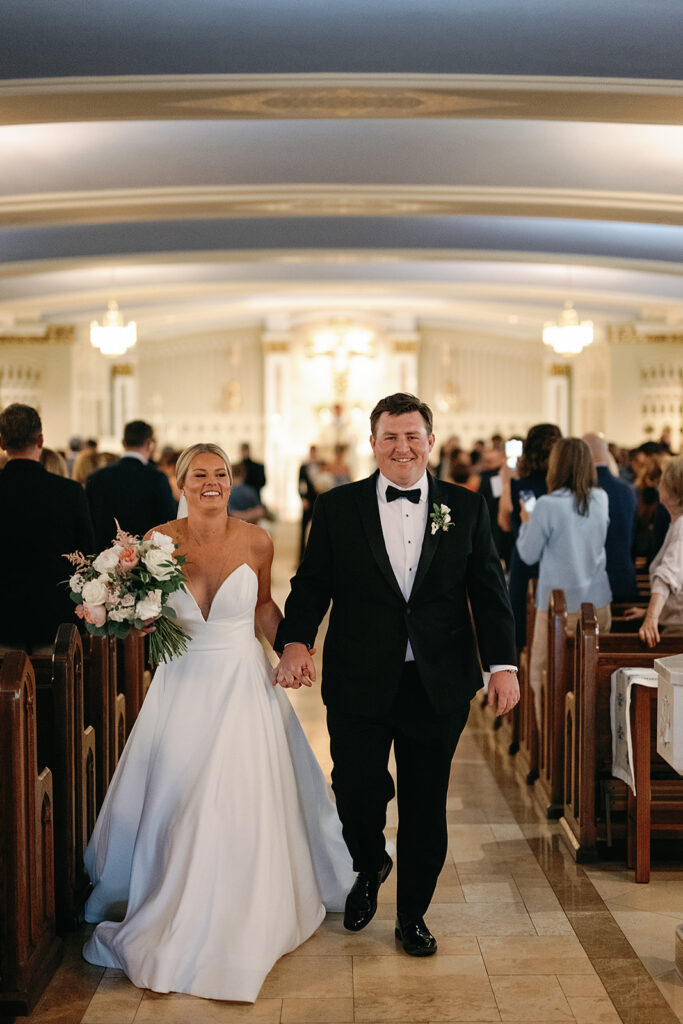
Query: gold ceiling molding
632,334
310,200
54,334
162,97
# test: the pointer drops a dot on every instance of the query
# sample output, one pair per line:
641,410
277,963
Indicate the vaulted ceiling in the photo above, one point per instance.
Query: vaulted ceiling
473,160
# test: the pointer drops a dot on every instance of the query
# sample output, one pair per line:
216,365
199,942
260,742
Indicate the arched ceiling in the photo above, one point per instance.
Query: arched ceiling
213,162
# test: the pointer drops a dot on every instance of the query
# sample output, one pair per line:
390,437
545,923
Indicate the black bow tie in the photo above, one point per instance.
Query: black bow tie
393,493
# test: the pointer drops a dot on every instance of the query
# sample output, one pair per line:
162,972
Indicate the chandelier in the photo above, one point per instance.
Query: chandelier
342,340
570,336
112,337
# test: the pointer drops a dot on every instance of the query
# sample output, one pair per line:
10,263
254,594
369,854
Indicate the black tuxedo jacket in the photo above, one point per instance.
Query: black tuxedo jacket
42,517
138,495
346,561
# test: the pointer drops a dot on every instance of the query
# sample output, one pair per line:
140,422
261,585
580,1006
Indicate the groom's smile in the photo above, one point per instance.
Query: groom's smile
402,446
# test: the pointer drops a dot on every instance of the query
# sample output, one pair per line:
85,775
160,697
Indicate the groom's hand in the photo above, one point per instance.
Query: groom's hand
503,692
295,667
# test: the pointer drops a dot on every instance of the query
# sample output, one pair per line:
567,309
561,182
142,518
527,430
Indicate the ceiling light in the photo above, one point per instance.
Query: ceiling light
569,336
112,337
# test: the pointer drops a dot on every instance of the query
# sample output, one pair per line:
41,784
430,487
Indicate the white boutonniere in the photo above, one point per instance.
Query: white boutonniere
441,518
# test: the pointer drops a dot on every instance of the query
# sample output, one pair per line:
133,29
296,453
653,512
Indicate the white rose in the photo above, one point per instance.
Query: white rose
127,601
122,614
76,583
445,508
94,592
107,559
163,541
159,563
149,607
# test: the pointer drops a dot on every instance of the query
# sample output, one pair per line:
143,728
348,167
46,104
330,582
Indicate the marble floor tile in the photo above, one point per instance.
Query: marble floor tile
655,897
478,919
551,922
671,987
440,988
324,976
317,1011
531,998
180,1009
652,936
491,892
116,1001
582,985
552,954
633,992
538,898
70,991
593,1010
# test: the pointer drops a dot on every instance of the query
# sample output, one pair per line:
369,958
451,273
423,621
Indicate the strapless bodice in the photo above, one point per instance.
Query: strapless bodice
231,617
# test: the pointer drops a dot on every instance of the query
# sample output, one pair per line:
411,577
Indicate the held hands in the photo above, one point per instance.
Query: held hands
295,667
503,692
524,515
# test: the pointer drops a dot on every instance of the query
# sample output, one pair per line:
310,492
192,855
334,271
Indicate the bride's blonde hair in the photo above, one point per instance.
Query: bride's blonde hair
186,457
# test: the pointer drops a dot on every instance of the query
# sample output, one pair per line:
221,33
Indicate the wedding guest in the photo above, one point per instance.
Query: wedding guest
665,609
87,461
565,533
256,474
244,501
530,479
338,466
167,465
75,446
133,492
307,473
53,462
43,515
622,519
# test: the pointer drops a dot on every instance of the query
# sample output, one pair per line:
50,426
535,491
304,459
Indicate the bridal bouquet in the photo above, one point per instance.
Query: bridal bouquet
126,585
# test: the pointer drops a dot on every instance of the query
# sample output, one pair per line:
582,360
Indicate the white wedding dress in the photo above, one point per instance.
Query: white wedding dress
218,837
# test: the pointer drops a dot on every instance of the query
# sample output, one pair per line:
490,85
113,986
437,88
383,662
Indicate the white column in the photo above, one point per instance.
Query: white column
281,464
404,348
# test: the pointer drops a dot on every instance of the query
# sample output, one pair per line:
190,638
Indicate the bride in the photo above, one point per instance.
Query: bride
217,844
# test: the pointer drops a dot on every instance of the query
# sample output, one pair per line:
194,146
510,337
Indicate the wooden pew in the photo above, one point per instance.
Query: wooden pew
67,745
549,788
657,805
105,708
587,729
133,677
29,948
526,761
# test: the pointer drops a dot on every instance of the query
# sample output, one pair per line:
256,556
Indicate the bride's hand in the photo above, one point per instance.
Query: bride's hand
147,627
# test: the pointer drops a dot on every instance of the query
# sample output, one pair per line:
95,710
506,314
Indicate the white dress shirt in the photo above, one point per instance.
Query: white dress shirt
403,528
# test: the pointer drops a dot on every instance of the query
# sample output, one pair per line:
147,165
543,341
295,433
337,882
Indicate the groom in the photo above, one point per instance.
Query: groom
400,658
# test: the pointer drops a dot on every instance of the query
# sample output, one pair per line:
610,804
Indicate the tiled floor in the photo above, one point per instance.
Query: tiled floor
524,933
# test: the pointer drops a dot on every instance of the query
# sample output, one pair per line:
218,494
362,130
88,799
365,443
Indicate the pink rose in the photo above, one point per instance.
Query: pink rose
80,610
95,614
128,558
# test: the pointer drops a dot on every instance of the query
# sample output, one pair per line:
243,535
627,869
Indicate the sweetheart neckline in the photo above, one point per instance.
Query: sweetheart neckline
220,587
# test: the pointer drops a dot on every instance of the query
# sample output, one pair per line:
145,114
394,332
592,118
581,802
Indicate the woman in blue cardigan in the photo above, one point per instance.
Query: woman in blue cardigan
566,533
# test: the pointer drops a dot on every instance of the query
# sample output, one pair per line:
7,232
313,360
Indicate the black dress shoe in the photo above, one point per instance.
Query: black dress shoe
415,936
361,903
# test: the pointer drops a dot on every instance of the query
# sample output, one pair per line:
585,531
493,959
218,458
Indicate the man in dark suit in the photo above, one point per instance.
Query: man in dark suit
400,555
133,491
42,518
307,492
255,472
622,502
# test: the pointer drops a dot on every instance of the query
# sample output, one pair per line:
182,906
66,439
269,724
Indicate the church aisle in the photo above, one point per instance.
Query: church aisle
524,934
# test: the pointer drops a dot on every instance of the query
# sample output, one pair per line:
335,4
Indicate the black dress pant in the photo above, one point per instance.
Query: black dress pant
424,744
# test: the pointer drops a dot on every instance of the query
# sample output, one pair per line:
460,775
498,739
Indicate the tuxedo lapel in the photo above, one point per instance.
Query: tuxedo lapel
430,541
369,515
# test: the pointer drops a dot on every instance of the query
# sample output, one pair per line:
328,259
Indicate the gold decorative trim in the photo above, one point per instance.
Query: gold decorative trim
559,370
406,346
340,95
122,370
628,334
182,202
271,347
54,334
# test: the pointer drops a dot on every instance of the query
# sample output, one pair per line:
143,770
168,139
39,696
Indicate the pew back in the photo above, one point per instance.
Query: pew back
29,947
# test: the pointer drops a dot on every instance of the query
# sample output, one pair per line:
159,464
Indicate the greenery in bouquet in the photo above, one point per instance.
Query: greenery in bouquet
127,585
